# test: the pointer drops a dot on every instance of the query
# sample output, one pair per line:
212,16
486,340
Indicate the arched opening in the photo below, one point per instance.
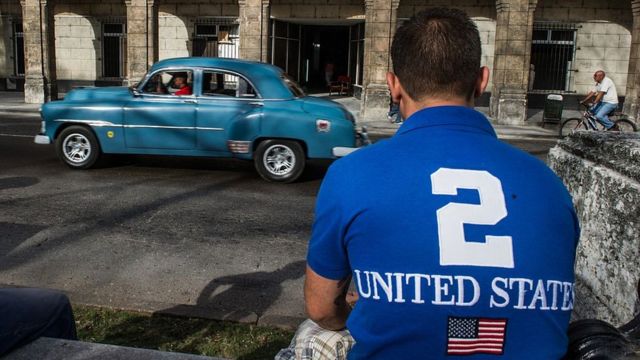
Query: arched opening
570,43
207,29
90,43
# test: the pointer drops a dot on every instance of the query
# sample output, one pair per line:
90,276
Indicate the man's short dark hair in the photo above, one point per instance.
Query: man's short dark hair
437,53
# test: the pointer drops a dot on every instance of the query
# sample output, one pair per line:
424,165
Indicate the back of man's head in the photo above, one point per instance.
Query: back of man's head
437,54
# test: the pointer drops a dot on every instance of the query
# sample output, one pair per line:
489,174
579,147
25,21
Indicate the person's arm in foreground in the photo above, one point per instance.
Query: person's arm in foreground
325,300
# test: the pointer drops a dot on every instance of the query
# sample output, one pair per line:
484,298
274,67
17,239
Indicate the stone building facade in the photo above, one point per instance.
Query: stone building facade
533,47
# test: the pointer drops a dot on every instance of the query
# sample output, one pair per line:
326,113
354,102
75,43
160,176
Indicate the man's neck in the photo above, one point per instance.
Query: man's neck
414,106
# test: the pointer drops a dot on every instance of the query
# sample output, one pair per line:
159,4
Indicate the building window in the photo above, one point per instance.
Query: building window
18,49
356,52
285,48
113,50
552,57
216,37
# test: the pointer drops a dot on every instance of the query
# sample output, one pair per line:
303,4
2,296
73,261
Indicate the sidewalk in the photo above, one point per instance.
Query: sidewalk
13,102
531,131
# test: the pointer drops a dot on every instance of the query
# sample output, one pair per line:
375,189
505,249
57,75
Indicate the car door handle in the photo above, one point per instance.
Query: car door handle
189,101
256,103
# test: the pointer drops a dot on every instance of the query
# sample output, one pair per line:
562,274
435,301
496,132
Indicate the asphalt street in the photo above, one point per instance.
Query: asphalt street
203,237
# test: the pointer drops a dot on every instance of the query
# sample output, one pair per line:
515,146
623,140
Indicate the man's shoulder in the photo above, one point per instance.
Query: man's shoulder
607,82
517,158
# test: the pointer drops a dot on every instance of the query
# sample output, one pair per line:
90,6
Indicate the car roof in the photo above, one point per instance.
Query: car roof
266,77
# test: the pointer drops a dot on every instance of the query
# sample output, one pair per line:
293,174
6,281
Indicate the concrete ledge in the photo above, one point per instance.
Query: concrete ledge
56,349
617,151
602,172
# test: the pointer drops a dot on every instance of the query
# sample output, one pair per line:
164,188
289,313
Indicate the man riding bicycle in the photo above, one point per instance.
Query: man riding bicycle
606,99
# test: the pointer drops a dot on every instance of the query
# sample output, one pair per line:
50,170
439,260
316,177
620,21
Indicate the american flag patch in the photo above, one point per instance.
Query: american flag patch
468,336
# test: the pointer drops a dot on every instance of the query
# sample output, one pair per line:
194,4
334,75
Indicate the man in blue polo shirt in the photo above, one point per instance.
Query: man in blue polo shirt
460,246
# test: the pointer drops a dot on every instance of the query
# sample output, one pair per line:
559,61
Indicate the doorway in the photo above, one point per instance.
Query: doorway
315,53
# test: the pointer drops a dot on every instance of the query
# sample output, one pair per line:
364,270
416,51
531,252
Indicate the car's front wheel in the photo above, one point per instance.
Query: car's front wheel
78,147
279,160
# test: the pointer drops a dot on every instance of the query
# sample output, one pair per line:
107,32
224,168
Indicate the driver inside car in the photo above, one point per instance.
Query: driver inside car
180,82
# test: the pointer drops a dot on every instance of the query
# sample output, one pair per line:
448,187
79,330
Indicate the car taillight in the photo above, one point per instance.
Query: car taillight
238,147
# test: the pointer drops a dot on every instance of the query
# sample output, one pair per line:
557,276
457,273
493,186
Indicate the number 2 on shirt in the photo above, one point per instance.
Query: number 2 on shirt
496,251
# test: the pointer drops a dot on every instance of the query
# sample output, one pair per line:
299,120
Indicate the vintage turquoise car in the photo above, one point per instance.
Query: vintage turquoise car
213,107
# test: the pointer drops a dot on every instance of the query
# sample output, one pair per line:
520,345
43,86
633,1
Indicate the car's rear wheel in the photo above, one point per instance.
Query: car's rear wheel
78,147
279,160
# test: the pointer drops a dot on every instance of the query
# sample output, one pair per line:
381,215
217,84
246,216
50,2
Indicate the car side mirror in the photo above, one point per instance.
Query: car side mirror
135,91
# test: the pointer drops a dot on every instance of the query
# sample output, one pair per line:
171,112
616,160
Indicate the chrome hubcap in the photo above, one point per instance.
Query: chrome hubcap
76,148
279,160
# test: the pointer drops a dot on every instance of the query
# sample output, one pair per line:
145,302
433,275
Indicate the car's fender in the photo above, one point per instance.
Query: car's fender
103,118
287,120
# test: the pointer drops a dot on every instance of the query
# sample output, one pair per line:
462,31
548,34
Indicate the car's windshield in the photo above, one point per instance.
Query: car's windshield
144,77
293,86
168,82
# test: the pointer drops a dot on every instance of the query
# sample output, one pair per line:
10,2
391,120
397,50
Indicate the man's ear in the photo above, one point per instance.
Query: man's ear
394,87
481,82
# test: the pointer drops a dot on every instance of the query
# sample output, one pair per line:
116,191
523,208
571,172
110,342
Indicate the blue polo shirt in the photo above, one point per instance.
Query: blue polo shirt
460,246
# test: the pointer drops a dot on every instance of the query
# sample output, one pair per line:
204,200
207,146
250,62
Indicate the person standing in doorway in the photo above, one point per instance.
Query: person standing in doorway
329,68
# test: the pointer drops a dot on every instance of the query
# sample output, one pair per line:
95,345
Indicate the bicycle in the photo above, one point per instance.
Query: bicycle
588,121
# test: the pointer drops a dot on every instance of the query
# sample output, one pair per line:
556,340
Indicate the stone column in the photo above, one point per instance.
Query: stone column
39,51
266,15
380,23
631,103
142,39
254,29
5,50
514,27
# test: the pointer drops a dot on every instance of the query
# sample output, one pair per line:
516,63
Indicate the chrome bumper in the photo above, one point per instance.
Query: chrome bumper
362,139
42,139
343,151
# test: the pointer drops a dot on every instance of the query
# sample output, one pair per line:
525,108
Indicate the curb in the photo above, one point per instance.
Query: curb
382,133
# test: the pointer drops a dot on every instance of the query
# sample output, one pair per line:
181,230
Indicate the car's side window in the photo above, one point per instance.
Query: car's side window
216,83
170,82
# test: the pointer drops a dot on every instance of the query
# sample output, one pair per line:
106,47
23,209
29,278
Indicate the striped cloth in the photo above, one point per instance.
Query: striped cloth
311,342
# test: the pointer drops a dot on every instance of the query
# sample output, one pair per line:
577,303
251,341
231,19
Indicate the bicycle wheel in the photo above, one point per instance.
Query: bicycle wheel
626,125
571,125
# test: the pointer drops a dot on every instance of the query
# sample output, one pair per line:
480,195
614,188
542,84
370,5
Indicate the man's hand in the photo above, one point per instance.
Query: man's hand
326,300
351,298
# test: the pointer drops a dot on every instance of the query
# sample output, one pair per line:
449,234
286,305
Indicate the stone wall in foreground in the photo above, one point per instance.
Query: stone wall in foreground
602,172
